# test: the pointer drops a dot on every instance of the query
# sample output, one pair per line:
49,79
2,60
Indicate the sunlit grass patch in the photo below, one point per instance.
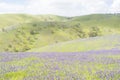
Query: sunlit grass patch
19,75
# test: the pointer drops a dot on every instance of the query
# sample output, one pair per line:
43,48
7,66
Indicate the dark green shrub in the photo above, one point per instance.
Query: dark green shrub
95,31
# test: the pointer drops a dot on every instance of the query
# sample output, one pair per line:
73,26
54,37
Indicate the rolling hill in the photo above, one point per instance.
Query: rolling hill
22,32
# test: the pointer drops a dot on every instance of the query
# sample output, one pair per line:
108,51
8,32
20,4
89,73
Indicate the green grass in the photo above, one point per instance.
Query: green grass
96,43
102,20
22,32
19,75
10,20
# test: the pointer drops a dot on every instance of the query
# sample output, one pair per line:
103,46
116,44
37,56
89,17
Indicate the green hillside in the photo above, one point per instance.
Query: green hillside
102,20
10,20
97,43
22,32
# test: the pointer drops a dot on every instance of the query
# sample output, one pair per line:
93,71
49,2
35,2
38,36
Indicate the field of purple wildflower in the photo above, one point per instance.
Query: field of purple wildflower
91,65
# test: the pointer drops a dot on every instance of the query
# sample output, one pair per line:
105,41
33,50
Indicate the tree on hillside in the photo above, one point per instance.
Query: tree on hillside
95,31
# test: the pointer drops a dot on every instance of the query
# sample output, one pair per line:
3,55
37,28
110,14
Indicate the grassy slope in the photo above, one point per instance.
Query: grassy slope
96,43
50,29
45,32
12,19
106,21
9,20
102,20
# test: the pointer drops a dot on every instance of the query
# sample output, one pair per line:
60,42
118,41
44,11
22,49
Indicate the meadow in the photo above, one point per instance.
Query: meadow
90,65
51,47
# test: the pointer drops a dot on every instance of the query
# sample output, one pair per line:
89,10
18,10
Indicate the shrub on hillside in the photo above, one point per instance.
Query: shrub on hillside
33,32
81,33
95,31
34,25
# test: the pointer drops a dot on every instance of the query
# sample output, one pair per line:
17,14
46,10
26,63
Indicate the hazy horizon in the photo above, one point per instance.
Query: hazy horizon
58,15
60,7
